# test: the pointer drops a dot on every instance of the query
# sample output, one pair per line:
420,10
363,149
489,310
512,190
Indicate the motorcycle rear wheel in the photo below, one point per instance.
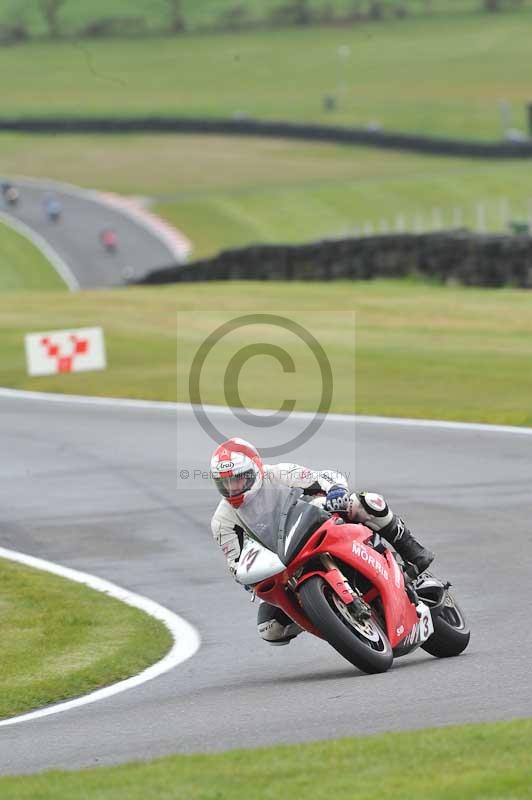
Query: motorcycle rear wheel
451,632
366,646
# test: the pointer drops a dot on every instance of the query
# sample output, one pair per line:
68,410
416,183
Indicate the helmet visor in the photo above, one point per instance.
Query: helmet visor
237,484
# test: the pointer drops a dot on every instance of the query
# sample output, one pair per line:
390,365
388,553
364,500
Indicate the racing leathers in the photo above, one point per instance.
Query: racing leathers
328,489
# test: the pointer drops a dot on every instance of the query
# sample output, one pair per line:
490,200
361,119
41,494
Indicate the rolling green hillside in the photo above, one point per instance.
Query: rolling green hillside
469,65
226,192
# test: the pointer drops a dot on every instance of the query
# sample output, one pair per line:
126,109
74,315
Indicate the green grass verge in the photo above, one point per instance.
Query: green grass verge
22,265
225,192
62,640
310,192
471,762
469,63
421,350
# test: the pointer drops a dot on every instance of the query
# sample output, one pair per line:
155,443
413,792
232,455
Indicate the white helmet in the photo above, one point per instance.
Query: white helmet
237,471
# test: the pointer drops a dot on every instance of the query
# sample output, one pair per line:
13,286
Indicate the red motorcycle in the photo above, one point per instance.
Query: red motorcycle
339,581
109,240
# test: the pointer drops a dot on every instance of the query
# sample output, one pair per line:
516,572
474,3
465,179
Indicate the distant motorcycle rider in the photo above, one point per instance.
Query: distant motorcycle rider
242,479
10,193
52,208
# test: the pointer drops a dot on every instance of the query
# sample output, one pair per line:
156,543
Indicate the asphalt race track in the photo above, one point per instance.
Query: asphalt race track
95,488
75,237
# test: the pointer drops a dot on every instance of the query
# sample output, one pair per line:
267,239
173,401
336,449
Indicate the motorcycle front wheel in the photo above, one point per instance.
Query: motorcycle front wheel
363,643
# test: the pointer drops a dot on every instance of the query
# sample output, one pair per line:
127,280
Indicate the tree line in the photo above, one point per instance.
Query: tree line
232,16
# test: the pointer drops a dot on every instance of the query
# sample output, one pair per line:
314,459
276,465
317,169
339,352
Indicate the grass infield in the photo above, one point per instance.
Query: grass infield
416,350
62,640
472,762
22,265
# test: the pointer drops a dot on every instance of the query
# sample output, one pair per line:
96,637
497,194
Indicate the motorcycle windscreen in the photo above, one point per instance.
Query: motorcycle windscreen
261,516
280,520
301,520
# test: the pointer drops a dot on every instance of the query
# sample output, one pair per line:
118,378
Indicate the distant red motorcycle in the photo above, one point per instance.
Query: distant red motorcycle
339,581
109,240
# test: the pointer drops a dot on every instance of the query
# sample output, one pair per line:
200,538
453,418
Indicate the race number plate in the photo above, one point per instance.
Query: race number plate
426,627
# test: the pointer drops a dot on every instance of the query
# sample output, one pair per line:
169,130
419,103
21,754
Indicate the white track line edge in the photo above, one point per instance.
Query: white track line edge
186,638
160,405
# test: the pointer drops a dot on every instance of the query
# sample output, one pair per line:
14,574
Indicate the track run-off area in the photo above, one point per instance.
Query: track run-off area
119,490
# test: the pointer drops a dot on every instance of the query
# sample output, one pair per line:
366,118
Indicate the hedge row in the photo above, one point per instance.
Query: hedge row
450,257
286,130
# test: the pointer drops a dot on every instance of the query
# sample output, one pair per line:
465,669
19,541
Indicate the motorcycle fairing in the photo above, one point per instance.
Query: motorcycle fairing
421,631
256,563
380,570
349,543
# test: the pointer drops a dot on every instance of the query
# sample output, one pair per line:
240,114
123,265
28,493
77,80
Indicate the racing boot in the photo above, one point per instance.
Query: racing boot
274,626
406,545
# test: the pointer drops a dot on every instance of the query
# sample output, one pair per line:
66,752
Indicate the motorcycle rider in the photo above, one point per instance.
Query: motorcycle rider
10,193
243,481
109,239
52,207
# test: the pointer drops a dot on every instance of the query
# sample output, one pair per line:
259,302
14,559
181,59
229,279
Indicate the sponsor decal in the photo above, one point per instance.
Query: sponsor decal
223,466
421,630
414,635
360,550
400,630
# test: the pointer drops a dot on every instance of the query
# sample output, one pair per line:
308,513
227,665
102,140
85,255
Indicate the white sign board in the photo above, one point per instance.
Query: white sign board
56,352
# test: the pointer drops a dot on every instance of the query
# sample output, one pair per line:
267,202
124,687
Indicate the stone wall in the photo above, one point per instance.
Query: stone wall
391,140
447,257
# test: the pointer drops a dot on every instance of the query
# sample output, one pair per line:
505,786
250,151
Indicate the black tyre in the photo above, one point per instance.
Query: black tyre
365,645
451,632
